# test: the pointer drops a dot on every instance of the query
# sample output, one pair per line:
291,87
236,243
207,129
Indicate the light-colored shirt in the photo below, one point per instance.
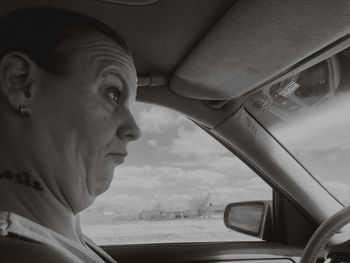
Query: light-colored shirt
22,240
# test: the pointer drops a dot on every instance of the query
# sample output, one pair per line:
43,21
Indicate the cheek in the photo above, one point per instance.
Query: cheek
88,124
95,129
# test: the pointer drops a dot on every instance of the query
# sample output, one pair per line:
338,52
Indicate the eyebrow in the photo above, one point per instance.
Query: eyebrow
104,64
110,71
114,72
101,62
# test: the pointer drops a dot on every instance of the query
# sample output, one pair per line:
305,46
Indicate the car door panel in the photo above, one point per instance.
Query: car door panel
205,252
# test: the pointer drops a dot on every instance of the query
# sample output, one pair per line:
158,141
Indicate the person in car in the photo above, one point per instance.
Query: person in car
67,82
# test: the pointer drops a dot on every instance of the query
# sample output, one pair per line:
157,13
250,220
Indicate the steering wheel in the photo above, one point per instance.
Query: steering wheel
322,235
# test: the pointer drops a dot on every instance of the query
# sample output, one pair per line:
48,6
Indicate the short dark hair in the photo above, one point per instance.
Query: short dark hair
39,32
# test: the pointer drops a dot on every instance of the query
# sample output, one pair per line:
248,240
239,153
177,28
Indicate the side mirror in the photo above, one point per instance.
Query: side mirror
252,218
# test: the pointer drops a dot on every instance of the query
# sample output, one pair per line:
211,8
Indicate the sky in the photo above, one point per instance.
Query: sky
175,165
319,137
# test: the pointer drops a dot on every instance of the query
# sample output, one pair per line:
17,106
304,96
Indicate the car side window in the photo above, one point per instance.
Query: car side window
173,187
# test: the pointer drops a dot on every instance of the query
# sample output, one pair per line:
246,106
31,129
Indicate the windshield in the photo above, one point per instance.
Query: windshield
309,114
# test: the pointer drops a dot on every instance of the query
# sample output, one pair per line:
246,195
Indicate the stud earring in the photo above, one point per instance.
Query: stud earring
22,109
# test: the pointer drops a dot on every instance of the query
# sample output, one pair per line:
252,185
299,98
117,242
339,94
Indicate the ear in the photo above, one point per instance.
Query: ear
17,73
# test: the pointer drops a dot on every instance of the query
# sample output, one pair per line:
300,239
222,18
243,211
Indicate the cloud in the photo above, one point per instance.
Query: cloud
196,148
195,142
223,195
250,189
132,176
205,176
230,164
156,119
159,177
153,143
174,201
123,203
145,187
226,162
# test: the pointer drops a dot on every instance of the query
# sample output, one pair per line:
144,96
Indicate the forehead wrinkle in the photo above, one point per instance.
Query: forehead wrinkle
114,55
100,41
106,47
108,44
105,54
101,63
104,44
107,69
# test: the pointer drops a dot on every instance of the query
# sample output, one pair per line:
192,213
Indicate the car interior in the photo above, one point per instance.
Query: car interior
220,63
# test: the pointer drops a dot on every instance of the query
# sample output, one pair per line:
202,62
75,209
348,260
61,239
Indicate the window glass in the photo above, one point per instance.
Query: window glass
173,187
309,114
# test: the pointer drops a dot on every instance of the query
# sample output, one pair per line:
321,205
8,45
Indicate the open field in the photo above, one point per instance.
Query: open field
181,230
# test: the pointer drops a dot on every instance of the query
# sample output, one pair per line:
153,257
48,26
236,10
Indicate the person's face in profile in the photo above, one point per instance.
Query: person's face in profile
90,123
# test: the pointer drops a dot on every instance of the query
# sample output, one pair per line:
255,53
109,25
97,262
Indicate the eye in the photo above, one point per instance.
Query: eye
115,95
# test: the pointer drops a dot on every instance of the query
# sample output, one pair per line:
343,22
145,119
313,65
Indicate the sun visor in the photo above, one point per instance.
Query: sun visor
255,41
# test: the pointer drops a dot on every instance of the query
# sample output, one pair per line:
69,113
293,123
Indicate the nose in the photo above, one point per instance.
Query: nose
129,130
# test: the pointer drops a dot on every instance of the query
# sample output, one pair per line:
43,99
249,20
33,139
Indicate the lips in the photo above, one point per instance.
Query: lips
117,158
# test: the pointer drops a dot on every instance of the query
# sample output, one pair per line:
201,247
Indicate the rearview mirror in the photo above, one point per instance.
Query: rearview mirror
252,218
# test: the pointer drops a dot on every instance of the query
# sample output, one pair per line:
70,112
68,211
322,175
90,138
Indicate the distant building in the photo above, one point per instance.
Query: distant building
207,211
150,214
167,214
109,213
212,211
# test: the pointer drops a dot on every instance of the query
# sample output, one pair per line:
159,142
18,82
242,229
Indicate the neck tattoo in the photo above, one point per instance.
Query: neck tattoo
22,178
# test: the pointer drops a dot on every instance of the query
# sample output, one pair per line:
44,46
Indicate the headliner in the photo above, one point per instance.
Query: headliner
209,50
159,35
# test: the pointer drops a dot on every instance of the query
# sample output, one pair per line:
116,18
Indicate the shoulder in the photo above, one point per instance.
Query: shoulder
14,250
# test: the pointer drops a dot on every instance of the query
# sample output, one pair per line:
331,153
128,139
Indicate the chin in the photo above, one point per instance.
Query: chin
79,206
100,190
101,184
